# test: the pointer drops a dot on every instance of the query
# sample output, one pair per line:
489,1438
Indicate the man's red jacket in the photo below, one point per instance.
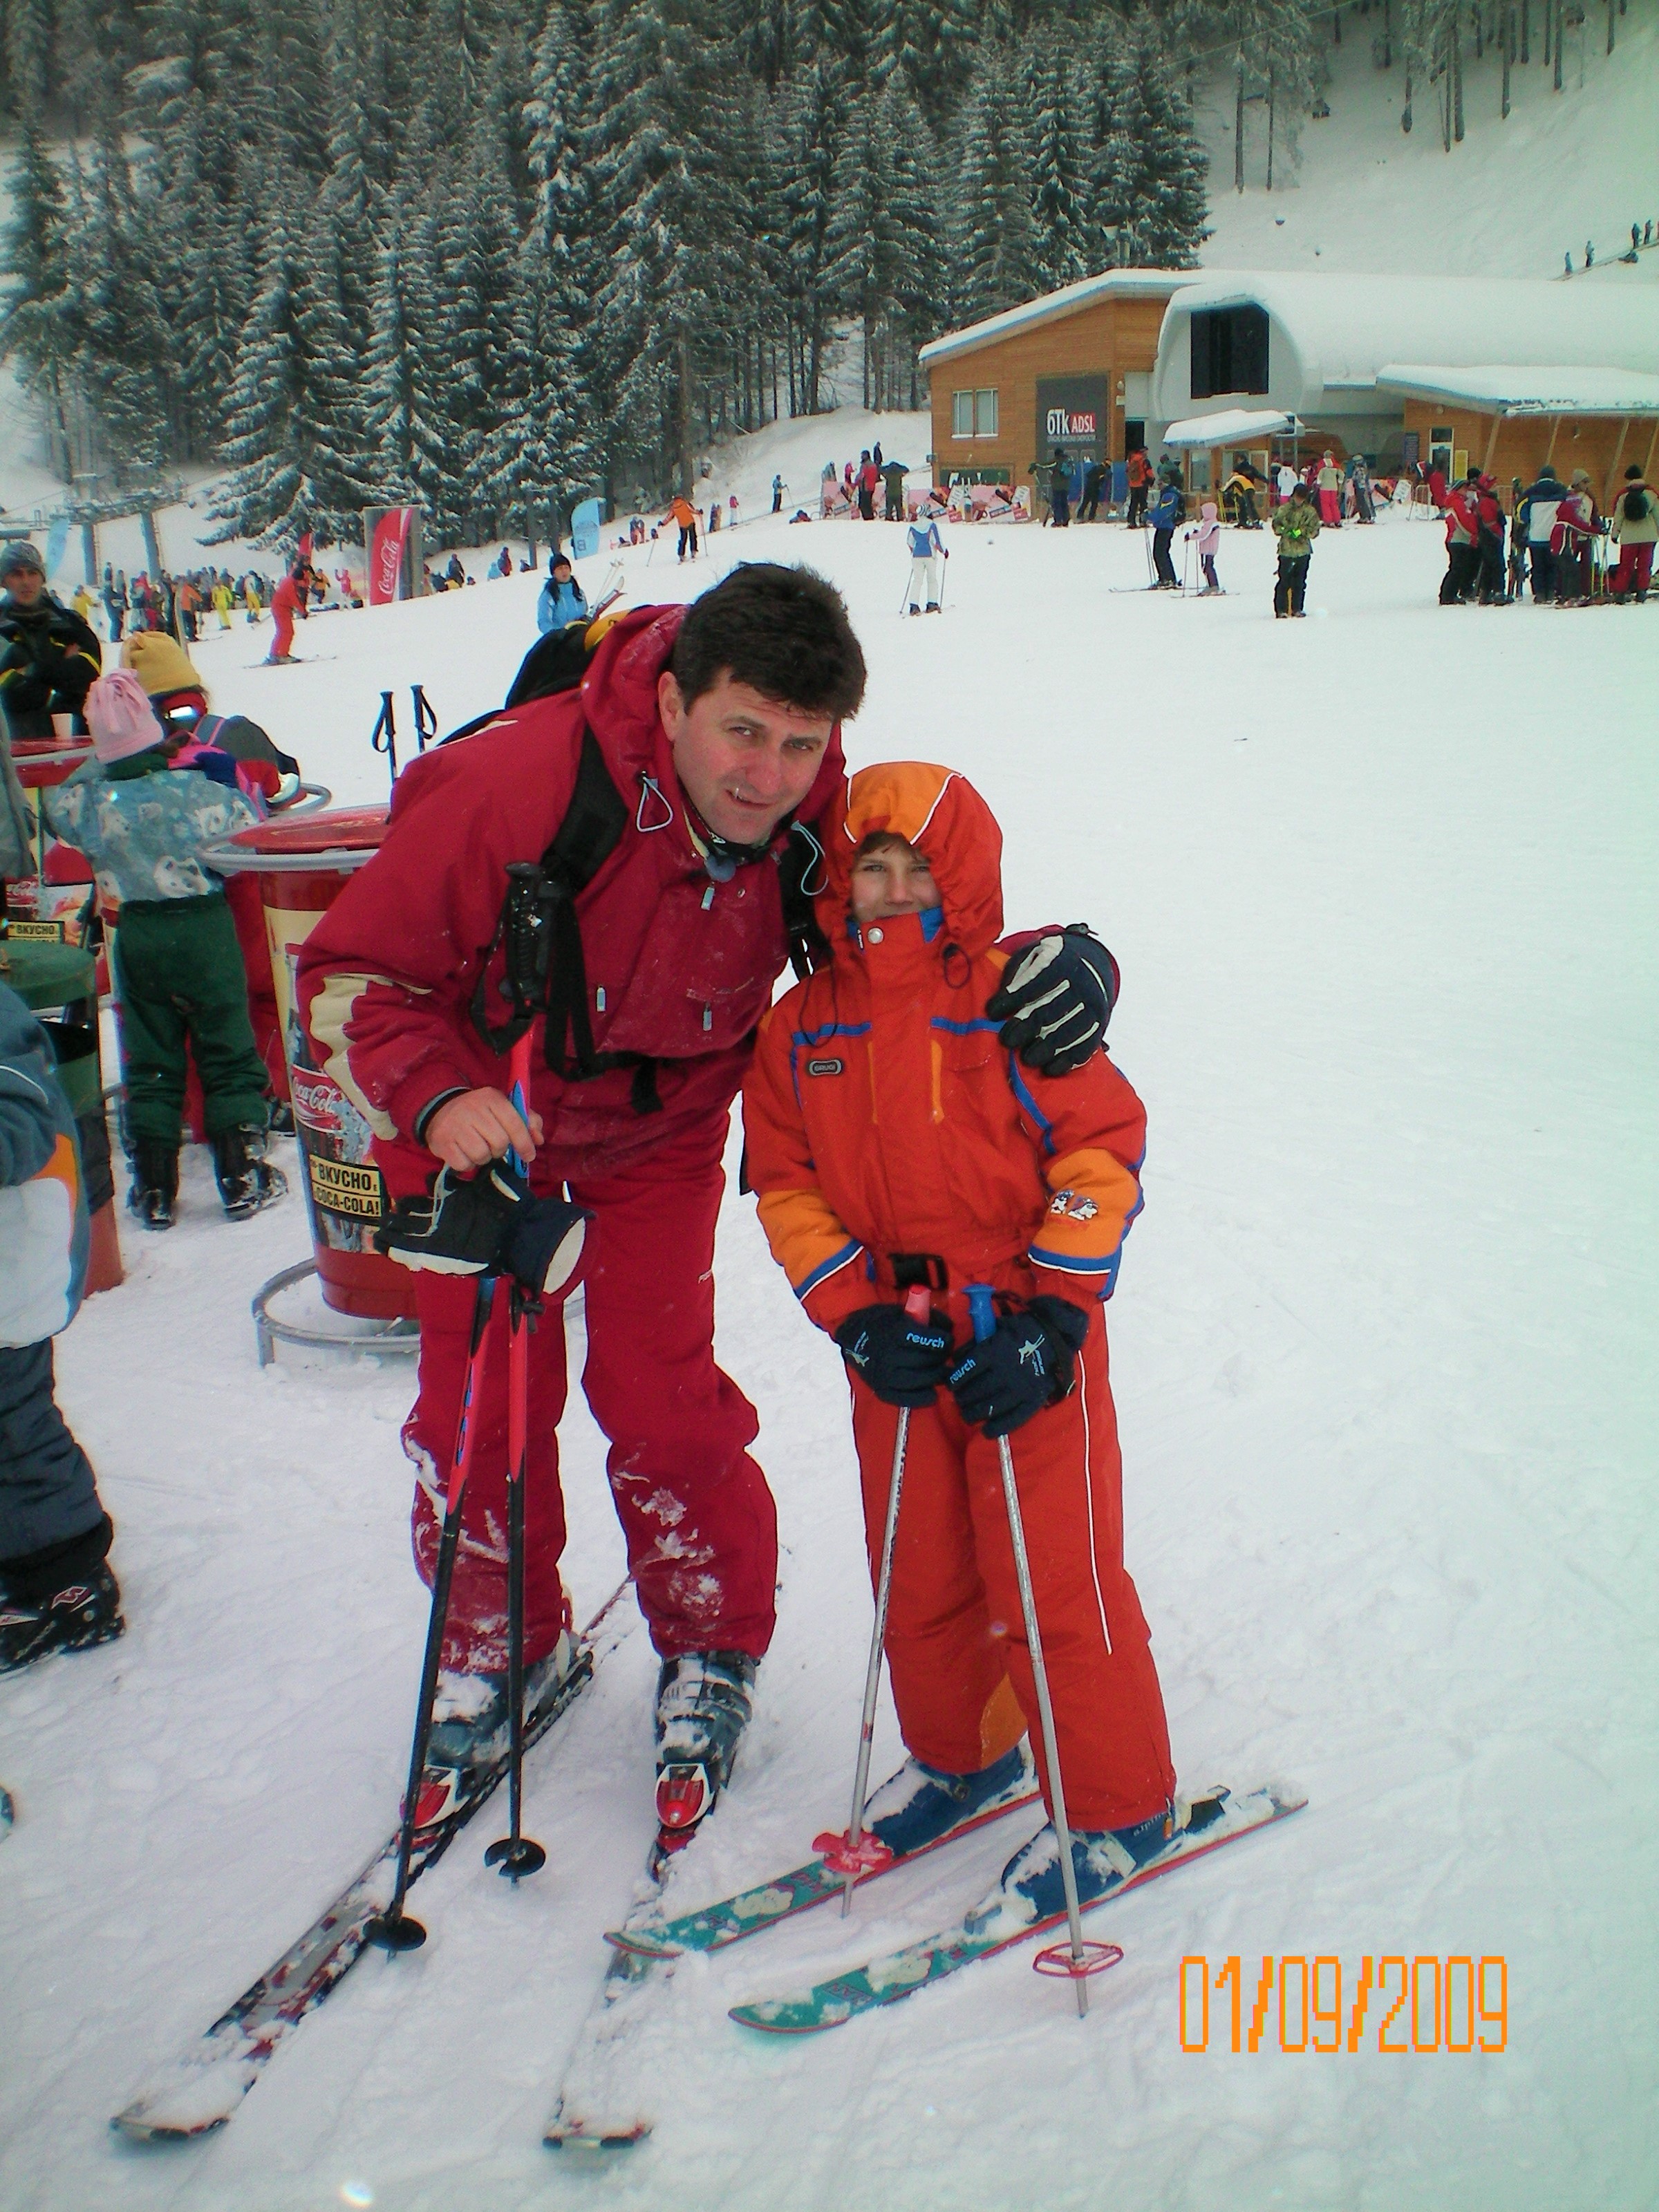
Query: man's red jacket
680,968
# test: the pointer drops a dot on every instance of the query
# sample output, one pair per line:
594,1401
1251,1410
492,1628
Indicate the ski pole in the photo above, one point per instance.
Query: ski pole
982,1309
849,1854
394,1929
944,571
1146,548
515,1854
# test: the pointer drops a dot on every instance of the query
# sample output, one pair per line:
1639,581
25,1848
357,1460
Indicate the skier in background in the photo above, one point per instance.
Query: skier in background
1208,535
56,1593
1489,515
1168,512
1296,525
1140,473
777,495
1539,503
49,657
1462,543
681,512
1094,476
928,550
1059,491
869,476
1636,526
892,476
560,602
1329,478
288,603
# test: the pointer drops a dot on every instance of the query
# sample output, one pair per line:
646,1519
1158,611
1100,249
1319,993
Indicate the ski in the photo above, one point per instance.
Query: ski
201,2087
711,1927
600,2104
887,1980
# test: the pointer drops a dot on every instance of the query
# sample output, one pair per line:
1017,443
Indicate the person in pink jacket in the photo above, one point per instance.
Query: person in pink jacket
1208,534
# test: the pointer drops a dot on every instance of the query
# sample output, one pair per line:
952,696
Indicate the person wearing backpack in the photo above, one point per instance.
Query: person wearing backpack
1636,528
1168,512
678,787
928,550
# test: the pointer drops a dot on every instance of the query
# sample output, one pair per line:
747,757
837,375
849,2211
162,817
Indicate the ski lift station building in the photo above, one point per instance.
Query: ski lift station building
1503,373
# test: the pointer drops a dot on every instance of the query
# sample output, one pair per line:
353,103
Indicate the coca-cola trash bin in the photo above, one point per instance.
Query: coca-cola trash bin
302,865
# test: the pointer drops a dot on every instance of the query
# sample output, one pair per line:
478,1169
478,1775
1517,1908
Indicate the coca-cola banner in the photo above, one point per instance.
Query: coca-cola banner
387,544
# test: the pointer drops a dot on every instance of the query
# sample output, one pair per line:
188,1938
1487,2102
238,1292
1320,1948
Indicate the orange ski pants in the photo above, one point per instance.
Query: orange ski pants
957,1649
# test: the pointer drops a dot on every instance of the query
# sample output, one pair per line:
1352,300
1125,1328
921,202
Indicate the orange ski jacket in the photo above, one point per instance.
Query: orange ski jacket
882,1115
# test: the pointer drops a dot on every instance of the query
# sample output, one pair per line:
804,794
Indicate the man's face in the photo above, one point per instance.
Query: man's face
25,585
744,762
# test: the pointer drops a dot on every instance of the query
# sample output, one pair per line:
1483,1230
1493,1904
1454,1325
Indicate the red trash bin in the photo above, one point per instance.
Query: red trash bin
301,866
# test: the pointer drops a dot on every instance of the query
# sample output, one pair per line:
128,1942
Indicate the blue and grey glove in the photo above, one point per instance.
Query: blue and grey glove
1055,1000
1028,1361
902,1359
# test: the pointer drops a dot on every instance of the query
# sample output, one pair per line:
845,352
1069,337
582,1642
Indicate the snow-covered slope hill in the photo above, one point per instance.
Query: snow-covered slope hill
1510,201
1381,883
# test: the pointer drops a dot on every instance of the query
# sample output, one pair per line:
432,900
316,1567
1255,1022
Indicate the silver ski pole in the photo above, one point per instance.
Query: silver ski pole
917,1305
983,1312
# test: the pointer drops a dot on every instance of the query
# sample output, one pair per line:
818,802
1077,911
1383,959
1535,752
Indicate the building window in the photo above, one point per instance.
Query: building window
973,414
1230,351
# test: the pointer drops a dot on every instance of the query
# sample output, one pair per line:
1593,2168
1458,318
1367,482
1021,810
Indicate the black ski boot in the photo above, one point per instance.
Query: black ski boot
246,1178
74,1618
154,1189
704,1699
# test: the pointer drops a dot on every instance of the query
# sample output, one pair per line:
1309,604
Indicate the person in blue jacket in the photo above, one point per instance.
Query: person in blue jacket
561,602
56,1593
1168,511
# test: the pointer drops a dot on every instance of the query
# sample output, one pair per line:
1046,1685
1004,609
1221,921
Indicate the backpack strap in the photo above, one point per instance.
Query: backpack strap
802,872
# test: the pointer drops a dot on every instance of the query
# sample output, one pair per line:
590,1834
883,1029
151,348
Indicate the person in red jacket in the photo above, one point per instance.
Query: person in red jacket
1462,543
892,1142
719,728
288,601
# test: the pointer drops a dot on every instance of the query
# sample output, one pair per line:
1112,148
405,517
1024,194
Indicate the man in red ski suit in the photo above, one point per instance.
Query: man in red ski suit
288,601
719,727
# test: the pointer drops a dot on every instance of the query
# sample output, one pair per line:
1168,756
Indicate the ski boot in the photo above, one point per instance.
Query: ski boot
918,1804
154,1191
932,607
1031,1888
913,609
246,1178
704,1699
74,1617
471,1725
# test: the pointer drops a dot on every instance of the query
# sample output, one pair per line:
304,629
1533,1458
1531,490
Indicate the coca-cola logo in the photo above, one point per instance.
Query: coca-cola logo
317,1103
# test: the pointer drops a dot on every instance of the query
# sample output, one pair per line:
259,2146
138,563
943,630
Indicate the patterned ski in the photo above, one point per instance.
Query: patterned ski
201,2086
711,1927
602,2104
888,1980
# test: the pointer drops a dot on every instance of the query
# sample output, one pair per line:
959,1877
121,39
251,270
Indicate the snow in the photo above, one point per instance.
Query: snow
1529,391
1227,425
1381,885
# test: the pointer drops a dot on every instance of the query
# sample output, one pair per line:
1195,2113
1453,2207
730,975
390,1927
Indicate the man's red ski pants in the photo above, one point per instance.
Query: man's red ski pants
957,1648
698,1519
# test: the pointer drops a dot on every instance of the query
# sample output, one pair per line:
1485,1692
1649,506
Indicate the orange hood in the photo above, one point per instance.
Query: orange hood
940,813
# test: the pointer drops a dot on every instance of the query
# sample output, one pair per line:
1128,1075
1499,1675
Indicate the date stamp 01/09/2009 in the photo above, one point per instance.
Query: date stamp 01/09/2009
1389,2003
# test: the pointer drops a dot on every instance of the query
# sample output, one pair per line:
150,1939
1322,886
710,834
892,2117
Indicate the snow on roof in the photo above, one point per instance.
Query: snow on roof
1224,427
1115,283
1512,391
1345,328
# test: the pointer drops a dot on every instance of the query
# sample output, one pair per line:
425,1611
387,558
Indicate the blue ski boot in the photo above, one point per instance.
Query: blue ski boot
1102,1859
470,1723
918,1804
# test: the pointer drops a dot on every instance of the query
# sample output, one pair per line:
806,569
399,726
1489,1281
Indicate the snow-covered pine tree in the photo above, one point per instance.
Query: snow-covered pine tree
934,43
1154,200
918,293
808,129
34,255
476,279
402,397
861,266
995,246
294,438
1057,156
122,353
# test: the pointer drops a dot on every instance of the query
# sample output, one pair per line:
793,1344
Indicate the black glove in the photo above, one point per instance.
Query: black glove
1055,1000
903,1361
1025,1364
489,1225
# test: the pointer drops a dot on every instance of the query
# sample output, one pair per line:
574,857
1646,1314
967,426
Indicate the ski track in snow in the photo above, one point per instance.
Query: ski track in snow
1381,885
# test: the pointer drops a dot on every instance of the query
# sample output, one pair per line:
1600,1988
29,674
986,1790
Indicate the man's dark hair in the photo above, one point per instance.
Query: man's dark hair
784,632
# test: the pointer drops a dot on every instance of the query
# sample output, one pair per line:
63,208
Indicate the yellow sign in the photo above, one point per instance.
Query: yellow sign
339,1186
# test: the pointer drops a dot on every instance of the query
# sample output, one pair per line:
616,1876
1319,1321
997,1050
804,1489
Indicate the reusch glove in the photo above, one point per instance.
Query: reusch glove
487,1225
901,1361
1055,1000
1027,1361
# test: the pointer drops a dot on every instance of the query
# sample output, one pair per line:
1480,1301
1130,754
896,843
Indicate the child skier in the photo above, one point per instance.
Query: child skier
892,1143
928,550
1208,534
143,823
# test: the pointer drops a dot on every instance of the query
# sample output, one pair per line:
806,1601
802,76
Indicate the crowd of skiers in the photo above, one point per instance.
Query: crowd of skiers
179,604
1553,540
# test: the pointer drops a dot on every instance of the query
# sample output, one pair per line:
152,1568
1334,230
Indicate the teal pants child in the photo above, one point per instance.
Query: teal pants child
180,973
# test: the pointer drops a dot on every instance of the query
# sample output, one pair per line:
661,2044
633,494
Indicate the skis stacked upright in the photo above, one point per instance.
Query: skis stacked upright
200,2088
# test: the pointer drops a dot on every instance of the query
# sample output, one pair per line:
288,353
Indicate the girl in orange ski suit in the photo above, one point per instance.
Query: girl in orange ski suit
882,1119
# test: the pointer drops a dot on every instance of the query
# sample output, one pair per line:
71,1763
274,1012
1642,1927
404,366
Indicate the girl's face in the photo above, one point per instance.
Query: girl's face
889,880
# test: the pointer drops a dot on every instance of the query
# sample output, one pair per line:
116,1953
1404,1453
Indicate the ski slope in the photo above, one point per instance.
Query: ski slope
1380,883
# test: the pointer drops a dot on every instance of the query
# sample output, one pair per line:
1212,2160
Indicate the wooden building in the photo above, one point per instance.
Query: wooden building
1508,421
1072,370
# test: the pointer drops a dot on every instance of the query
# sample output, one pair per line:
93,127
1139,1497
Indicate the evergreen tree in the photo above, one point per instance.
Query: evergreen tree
808,130
1153,202
919,291
1058,159
861,266
403,397
34,253
995,250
